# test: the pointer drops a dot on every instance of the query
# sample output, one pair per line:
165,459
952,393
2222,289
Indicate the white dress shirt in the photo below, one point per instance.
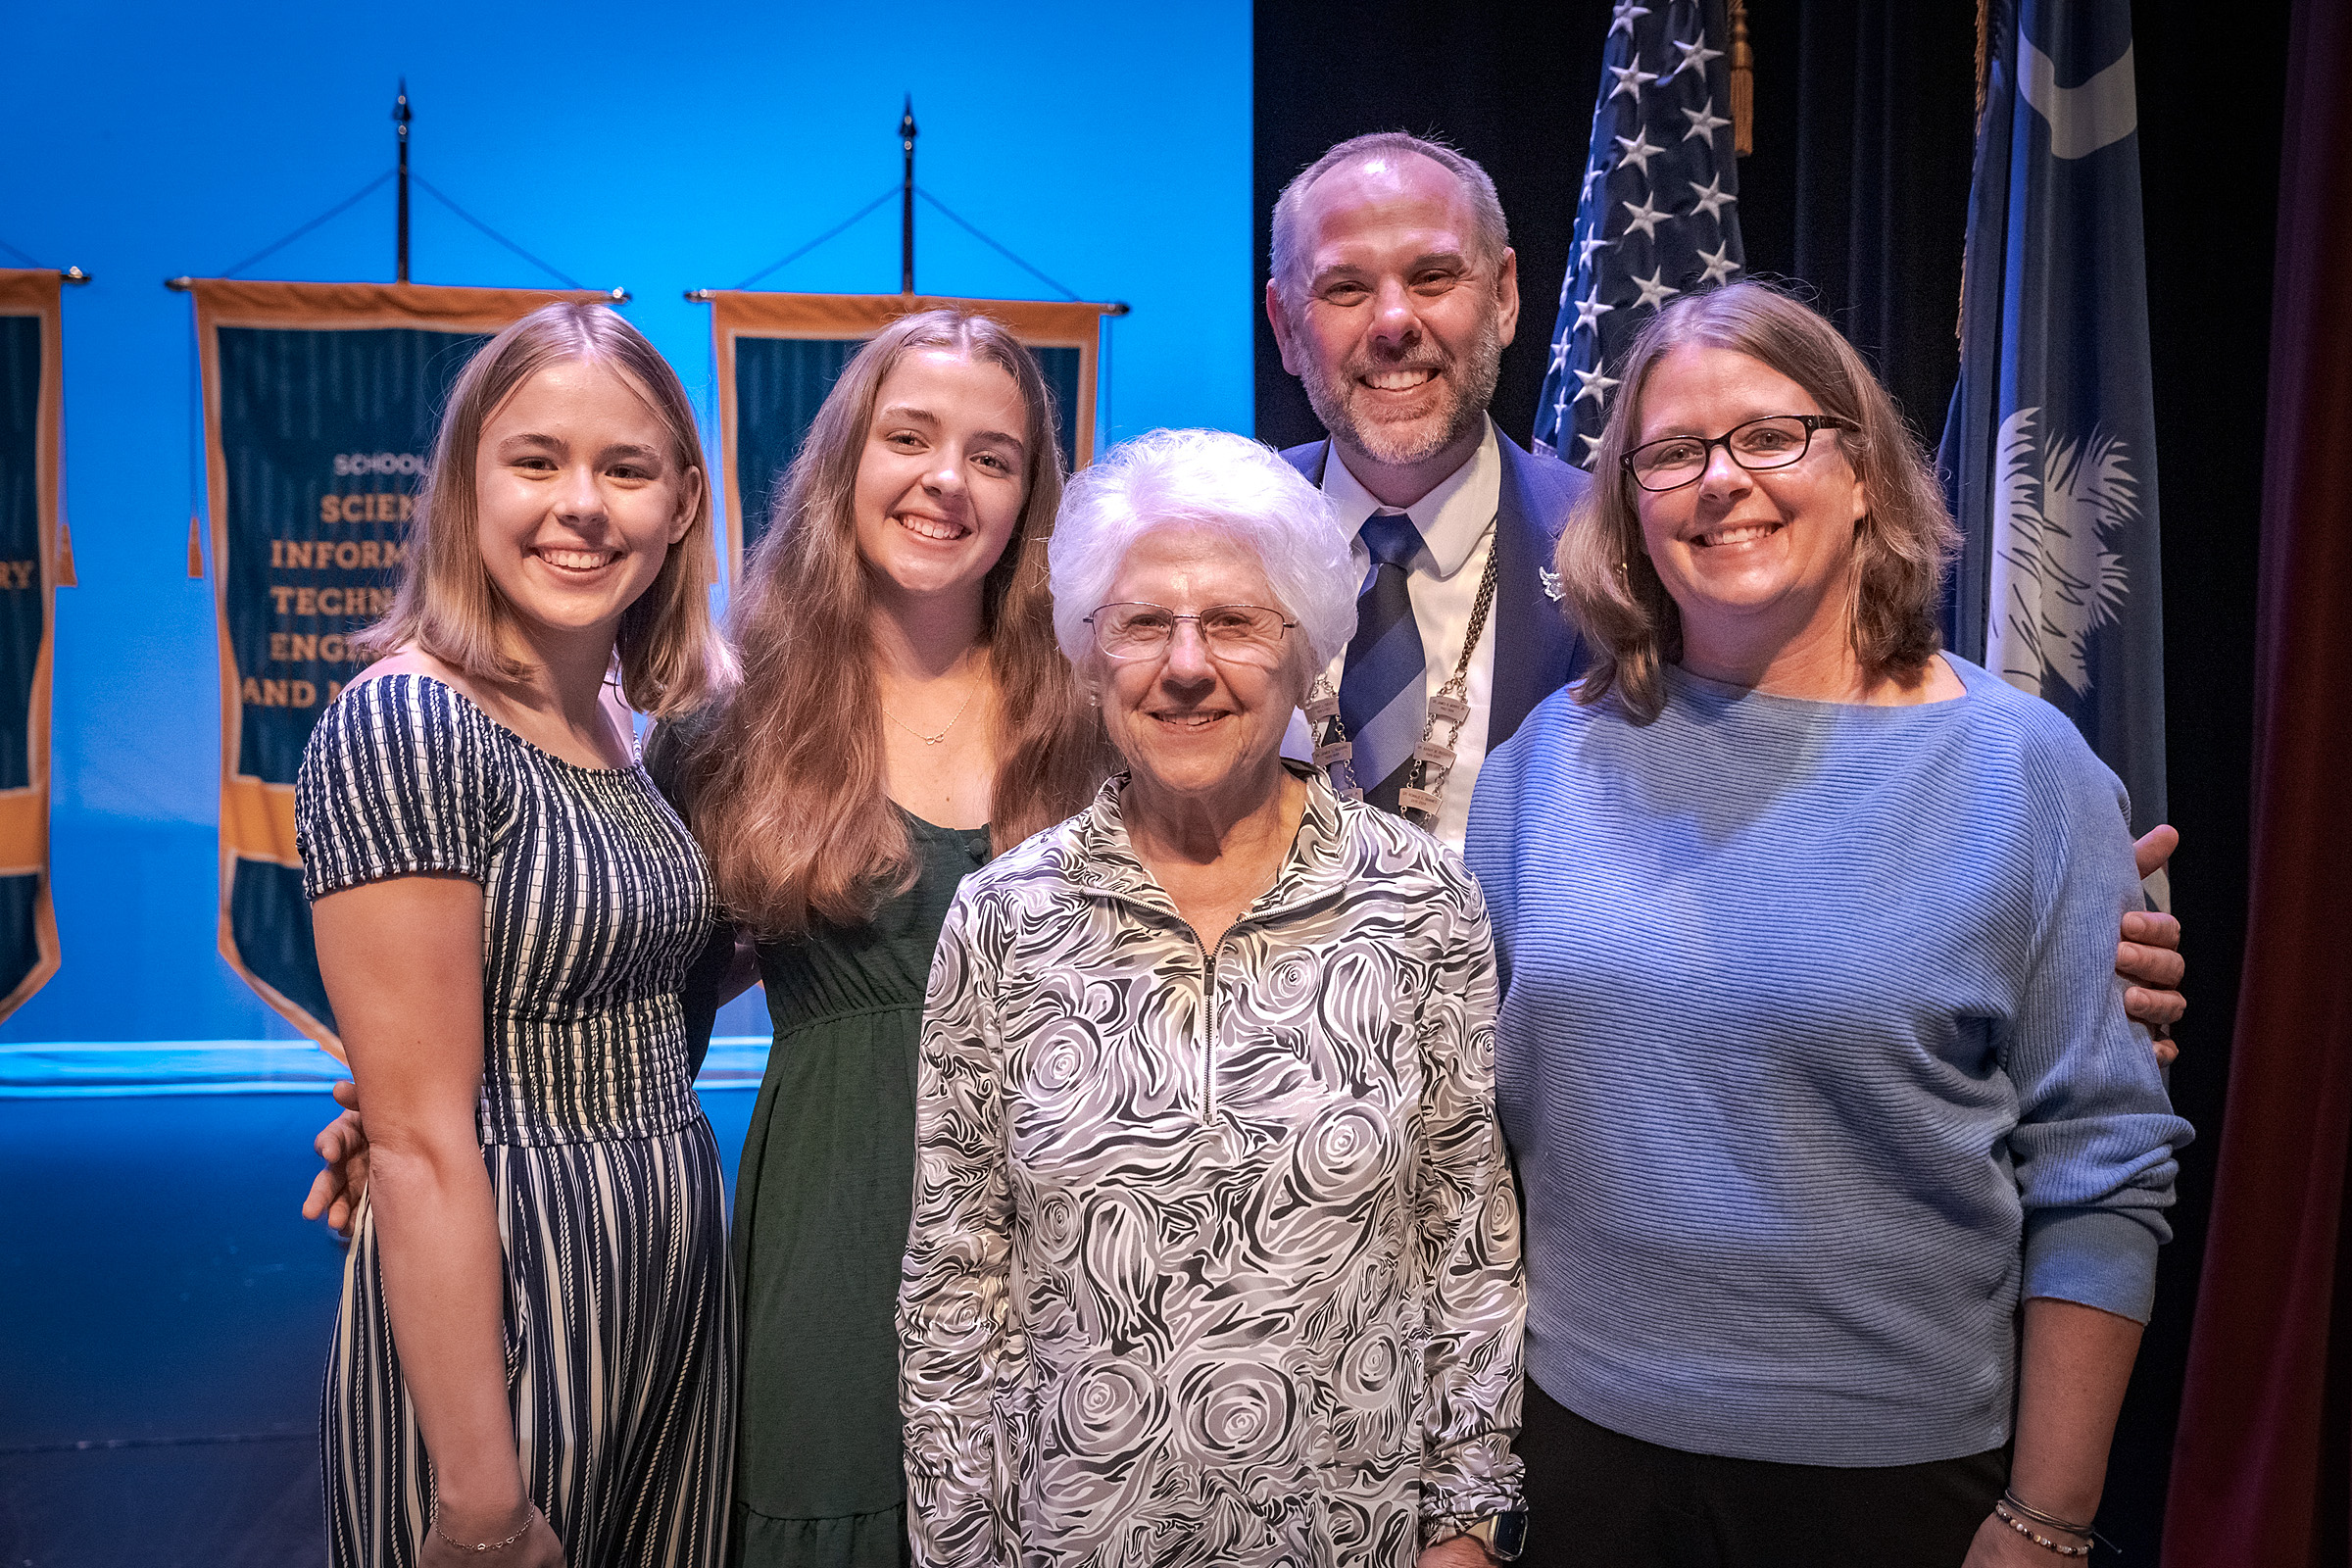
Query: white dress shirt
1456,522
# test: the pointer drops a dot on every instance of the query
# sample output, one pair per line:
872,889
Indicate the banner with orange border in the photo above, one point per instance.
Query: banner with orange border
320,401
778,355
31,456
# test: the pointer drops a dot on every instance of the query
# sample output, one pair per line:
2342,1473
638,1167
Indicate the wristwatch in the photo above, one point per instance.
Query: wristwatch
1503,1535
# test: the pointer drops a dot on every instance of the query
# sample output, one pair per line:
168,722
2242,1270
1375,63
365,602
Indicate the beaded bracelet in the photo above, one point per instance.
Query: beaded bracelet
2000,1511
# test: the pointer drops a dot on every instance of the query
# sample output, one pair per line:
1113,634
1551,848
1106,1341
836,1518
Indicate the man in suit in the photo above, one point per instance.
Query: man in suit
1393,291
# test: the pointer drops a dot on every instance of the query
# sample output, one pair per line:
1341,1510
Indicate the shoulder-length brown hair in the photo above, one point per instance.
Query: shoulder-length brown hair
786,783
672,658
1901,545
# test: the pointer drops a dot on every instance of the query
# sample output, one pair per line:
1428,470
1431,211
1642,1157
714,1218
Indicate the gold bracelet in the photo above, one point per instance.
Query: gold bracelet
2000,1511
529,1513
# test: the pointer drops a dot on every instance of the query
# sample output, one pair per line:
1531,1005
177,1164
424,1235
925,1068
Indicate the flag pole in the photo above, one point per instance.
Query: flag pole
906,201
400,120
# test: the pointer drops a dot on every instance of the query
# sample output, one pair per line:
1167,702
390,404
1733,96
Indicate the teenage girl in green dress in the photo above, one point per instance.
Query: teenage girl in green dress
905,712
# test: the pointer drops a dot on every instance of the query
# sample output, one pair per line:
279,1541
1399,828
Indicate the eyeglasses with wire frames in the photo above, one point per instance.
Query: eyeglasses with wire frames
1237,634
1775,441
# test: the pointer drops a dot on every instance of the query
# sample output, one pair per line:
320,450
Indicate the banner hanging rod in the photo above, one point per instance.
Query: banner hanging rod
184,285
65,274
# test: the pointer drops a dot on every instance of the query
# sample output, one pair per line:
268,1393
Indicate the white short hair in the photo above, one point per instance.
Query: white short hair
1202,479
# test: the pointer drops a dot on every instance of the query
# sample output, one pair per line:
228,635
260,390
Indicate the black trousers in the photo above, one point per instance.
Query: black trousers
1597,1497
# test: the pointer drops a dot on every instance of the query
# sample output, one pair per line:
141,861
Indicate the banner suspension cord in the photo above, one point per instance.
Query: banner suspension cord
837,228
1066,293
336,211
427,187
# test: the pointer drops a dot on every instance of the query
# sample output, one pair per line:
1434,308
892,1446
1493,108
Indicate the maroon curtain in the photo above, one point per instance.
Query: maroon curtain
2262,1473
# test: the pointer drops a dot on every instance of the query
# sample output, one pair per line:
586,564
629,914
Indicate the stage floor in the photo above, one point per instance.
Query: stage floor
166,1321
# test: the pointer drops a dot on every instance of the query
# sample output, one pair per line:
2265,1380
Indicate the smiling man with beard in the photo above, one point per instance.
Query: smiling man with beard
1393,291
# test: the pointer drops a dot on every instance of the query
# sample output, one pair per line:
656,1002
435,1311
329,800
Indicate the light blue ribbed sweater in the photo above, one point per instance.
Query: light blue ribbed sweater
1813,1061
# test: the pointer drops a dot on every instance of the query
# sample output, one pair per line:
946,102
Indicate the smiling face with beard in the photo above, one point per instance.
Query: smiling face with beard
1399,327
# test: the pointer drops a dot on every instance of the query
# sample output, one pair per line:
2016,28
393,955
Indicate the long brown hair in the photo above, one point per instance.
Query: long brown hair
1901,545
786,783
673,659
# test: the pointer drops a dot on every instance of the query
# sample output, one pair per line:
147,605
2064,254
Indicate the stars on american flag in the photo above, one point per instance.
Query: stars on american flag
1704,121
1712,198
1631,79
1643,219
1592,384
1657,212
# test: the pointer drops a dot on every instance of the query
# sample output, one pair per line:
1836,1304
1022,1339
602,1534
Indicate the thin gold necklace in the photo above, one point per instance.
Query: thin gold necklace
932,740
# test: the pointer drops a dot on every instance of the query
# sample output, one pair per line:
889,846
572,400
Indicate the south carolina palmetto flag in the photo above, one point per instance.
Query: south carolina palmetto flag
2050,450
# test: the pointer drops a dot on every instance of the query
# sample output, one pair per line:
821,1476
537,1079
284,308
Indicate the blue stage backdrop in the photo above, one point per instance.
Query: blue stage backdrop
1109,149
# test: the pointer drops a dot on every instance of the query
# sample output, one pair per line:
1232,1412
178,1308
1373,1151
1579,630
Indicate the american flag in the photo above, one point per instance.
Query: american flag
1658,215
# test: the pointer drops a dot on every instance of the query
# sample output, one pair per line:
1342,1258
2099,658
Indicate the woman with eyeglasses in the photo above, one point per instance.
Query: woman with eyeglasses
1812,1052
1216,1254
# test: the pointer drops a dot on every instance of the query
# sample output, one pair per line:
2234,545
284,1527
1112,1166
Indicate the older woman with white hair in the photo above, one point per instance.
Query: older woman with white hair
1216,1252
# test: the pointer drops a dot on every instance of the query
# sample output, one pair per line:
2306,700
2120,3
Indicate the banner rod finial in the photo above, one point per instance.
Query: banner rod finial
72,275
180,285
701,296
618,296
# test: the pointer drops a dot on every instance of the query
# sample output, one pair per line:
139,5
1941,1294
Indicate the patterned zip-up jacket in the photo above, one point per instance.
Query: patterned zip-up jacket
1216,1256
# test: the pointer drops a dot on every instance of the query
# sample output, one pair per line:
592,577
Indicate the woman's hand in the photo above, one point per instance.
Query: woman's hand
336,1190
538,1547
1459,1552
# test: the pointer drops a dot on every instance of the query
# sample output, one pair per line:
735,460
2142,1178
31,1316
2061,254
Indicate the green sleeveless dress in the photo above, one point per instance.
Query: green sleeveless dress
822,1199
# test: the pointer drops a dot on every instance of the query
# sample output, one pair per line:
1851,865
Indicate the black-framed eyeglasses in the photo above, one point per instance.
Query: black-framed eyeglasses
1773,442
1245,635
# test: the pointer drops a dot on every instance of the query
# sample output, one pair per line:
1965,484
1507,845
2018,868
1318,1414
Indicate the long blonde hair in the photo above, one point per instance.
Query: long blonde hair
1905,538
786,784
673,659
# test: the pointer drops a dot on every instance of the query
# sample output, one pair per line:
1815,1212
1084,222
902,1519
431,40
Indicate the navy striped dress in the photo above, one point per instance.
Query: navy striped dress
619,1311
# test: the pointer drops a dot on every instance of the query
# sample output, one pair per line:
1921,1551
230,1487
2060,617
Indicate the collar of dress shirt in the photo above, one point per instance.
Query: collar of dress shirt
1452,518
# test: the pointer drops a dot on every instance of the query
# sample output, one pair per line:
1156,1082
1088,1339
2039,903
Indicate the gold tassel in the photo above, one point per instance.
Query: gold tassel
1744,83
1983,53
64,555
195,549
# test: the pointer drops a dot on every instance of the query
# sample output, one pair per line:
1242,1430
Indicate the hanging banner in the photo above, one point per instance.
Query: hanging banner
319,406
32,415
778,355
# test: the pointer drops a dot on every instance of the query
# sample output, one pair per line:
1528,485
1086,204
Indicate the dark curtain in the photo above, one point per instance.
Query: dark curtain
1857,195
1885,115
2263,1471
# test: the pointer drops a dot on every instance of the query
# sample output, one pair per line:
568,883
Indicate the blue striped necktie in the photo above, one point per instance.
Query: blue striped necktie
1383,686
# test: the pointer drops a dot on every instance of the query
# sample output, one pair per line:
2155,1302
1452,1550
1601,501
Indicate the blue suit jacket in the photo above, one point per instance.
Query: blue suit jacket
1536,651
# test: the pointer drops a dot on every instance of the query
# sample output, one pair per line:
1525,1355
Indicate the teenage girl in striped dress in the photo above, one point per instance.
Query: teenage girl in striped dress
534,1359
